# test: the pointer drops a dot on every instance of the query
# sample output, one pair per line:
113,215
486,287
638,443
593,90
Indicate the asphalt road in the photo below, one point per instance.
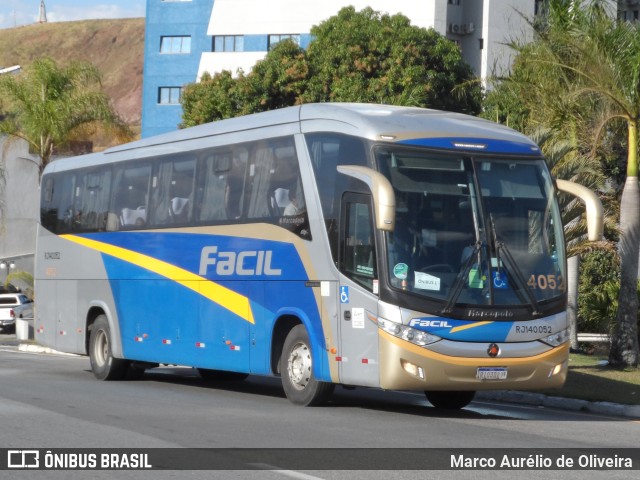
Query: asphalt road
52,401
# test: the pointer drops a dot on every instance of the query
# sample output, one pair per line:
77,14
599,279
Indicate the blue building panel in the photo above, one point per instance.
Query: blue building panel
256,43
171,70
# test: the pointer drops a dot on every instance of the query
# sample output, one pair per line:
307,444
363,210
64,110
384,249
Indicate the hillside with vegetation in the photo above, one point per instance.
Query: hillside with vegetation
116,47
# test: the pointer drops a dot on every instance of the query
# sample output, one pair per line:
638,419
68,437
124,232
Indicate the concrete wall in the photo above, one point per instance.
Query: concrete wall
20,194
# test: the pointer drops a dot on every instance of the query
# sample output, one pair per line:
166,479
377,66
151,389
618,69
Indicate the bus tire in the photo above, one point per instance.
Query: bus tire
296,370
221,375
103,364
450,400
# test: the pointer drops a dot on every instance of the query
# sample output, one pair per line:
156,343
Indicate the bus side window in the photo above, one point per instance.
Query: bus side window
327,151
234,192
286,197
130,198
217,167
49,207
358,259
93,200
172,194
64,198
260,171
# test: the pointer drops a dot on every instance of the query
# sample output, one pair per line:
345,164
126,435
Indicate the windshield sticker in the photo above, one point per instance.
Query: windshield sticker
400,271
365,270
499,280
476,279
424,281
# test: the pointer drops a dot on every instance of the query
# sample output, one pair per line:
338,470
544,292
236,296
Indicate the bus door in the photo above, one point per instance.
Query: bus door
357,295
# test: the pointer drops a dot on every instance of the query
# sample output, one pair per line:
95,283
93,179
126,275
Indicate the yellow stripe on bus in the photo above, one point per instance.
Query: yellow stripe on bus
232,301
466,327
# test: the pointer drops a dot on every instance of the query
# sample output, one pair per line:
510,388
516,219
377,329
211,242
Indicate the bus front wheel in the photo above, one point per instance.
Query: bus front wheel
296,368
450,400
103,364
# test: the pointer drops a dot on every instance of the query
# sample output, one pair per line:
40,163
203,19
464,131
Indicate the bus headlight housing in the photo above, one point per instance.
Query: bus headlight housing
417,337
557,338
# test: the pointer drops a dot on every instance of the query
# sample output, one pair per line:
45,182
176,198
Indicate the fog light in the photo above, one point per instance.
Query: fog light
413,369
557,369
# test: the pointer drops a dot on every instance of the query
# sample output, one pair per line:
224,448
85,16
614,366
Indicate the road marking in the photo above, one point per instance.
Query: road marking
286,473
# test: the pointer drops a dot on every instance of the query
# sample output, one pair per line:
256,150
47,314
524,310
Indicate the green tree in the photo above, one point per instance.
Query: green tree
48,105
212,98
604,56
354,57
277,81
371,57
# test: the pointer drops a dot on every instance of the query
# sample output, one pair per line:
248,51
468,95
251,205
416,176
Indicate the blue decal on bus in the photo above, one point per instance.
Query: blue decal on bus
463,330
344,294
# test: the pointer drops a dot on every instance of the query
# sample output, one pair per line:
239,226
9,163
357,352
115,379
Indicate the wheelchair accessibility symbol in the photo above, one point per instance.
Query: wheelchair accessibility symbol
344,294
500,280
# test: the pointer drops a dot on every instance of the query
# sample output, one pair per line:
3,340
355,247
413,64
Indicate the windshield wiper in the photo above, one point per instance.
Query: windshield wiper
460,279
521,282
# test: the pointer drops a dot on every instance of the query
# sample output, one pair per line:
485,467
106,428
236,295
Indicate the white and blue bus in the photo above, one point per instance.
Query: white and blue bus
362,245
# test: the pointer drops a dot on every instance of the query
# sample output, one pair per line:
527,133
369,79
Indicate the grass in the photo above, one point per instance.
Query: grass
590,378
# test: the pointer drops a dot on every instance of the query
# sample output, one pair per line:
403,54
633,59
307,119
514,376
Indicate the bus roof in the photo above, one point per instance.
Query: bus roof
405,125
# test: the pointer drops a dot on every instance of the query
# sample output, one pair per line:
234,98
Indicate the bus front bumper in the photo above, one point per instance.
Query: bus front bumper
405,366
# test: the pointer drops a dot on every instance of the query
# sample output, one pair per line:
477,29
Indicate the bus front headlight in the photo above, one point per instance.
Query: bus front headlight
557,338
417,337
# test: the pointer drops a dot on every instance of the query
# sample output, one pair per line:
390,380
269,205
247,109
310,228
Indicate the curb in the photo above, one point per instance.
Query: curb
562,403
33,348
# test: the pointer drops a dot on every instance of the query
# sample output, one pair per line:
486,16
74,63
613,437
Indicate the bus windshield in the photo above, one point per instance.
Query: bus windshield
473,231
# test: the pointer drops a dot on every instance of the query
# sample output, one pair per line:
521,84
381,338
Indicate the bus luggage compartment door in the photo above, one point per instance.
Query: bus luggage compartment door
358,352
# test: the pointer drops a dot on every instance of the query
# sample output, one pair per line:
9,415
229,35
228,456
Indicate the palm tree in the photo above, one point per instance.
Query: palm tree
567,162
603,56
48,105
580,76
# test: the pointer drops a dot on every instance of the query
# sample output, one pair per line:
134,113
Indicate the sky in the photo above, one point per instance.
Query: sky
15,13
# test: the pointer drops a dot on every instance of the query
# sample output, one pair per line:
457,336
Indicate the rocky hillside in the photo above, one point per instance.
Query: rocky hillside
116,47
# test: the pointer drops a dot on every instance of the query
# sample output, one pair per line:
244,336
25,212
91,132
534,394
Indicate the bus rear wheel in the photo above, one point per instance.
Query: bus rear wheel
296,368
450,400
103,364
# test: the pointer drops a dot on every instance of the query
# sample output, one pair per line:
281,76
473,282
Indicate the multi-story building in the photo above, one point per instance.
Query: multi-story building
185,38
629,10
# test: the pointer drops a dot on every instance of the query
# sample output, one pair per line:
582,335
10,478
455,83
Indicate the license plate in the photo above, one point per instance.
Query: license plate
491,373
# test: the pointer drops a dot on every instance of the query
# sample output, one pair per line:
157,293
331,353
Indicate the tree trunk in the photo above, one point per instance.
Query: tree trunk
573,264
624,343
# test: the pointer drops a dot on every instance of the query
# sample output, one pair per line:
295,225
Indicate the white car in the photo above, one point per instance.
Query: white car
9,302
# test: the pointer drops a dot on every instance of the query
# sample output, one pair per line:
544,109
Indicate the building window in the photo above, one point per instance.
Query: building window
175,44
169,95
275,39
228,43
481,43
